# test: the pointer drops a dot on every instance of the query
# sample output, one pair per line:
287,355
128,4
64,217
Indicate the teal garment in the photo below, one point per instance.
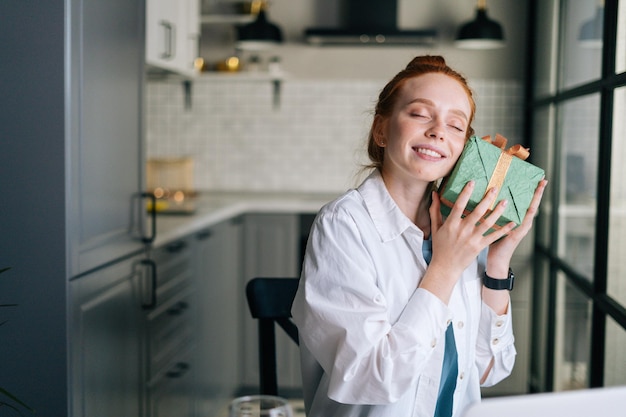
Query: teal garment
450,368
449,372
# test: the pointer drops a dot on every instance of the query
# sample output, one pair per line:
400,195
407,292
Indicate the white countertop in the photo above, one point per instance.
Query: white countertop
215,207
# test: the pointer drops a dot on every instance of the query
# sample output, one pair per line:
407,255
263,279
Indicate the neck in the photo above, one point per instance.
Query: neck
413,200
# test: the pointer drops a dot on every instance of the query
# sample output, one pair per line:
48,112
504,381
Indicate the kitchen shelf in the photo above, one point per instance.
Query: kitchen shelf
216,19
243,76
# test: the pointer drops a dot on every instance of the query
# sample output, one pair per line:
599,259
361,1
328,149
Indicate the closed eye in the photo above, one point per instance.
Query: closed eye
460,129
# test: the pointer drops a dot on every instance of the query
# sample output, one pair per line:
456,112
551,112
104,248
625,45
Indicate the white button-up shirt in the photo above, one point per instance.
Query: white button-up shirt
371,341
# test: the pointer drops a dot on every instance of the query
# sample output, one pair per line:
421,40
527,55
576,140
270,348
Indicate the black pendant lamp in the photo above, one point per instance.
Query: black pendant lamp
261,33
480,33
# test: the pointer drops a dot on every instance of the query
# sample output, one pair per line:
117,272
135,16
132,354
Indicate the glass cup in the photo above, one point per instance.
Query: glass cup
260,406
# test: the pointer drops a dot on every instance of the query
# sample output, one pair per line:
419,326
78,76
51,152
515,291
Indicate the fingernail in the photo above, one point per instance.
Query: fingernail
505,203
494,190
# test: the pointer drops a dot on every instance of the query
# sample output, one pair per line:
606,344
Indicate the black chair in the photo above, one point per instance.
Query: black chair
270,301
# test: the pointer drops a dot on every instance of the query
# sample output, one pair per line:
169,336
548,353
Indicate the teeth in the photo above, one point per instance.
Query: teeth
429,152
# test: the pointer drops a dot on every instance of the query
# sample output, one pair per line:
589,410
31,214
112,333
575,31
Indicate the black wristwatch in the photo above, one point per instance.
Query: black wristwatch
499,283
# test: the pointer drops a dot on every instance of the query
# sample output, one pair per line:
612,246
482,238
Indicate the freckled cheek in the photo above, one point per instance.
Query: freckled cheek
457,149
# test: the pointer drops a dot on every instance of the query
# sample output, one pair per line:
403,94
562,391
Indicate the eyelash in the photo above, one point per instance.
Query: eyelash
419,115
457,128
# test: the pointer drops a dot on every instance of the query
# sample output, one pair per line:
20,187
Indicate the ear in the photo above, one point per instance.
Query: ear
378,130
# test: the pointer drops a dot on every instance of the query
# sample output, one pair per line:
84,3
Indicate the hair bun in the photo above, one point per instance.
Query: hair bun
430,60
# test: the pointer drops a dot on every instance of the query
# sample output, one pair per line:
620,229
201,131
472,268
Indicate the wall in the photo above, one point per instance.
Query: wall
446,16
312,140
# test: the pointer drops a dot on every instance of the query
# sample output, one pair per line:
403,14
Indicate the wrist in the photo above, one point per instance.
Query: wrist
499,282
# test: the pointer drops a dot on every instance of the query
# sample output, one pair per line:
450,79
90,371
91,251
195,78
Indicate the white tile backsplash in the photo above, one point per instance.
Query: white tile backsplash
313,140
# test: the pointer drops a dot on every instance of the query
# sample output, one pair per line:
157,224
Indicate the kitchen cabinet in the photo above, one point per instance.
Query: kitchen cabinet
220,298
272,249
172,35
106,339
170,339
105,215
105,138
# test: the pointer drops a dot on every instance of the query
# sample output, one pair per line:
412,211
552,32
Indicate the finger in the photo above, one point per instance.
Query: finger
487,222
531,213
483,208
534,203
461,202
533,208
501,232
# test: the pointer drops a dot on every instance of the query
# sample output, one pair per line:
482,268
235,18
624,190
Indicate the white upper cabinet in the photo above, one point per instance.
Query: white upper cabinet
172,35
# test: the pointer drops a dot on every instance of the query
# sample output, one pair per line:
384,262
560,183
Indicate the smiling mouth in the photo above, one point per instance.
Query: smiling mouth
428,152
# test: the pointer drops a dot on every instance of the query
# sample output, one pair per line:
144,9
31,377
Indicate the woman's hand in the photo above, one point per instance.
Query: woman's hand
459,240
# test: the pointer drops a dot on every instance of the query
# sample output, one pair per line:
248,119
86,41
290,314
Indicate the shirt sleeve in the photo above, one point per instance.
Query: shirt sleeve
344,322
495,341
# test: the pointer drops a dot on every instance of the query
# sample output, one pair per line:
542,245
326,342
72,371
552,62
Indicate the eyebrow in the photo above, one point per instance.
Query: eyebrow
428,102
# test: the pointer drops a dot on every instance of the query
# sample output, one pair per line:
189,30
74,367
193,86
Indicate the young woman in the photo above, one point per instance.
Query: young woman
393,314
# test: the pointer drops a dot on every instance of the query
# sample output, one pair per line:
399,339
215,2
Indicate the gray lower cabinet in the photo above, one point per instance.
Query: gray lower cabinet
219,297
106,341
170,333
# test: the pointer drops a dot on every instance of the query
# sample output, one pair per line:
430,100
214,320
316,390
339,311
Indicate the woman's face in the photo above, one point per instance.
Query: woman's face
425,134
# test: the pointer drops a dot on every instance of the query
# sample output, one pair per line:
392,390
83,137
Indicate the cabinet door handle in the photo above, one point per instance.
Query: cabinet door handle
138,227
178,308
170,39
148,237
179,370
203,235
151,266
176,246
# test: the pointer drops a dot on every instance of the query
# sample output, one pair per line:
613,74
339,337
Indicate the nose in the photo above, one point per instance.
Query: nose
436,130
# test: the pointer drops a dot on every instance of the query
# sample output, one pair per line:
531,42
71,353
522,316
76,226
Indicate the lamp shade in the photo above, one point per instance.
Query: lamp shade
259,34
480,33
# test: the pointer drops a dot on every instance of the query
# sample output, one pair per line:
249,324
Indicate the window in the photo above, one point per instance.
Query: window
578,133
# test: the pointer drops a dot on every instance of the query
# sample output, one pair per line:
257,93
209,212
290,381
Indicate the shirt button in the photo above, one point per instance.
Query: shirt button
499,323
495,341
462,375
433,343
460,324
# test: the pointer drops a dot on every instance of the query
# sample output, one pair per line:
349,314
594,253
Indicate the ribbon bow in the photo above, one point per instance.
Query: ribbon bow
504,162
515,150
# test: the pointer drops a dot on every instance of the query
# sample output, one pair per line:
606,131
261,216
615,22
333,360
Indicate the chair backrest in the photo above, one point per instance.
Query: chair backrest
269,300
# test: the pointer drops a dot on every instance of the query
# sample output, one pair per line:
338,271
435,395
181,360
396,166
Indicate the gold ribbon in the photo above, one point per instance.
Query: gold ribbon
504,162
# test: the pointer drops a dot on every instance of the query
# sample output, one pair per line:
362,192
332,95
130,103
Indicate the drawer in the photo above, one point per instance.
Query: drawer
174,269
172,392
170,328
172,260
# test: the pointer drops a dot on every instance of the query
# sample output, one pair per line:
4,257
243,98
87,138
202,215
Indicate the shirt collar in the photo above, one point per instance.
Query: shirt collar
388,219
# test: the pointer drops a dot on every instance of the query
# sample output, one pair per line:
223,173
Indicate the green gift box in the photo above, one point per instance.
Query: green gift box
490,165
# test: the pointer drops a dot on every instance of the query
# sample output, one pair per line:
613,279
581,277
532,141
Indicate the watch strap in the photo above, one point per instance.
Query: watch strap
499,283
